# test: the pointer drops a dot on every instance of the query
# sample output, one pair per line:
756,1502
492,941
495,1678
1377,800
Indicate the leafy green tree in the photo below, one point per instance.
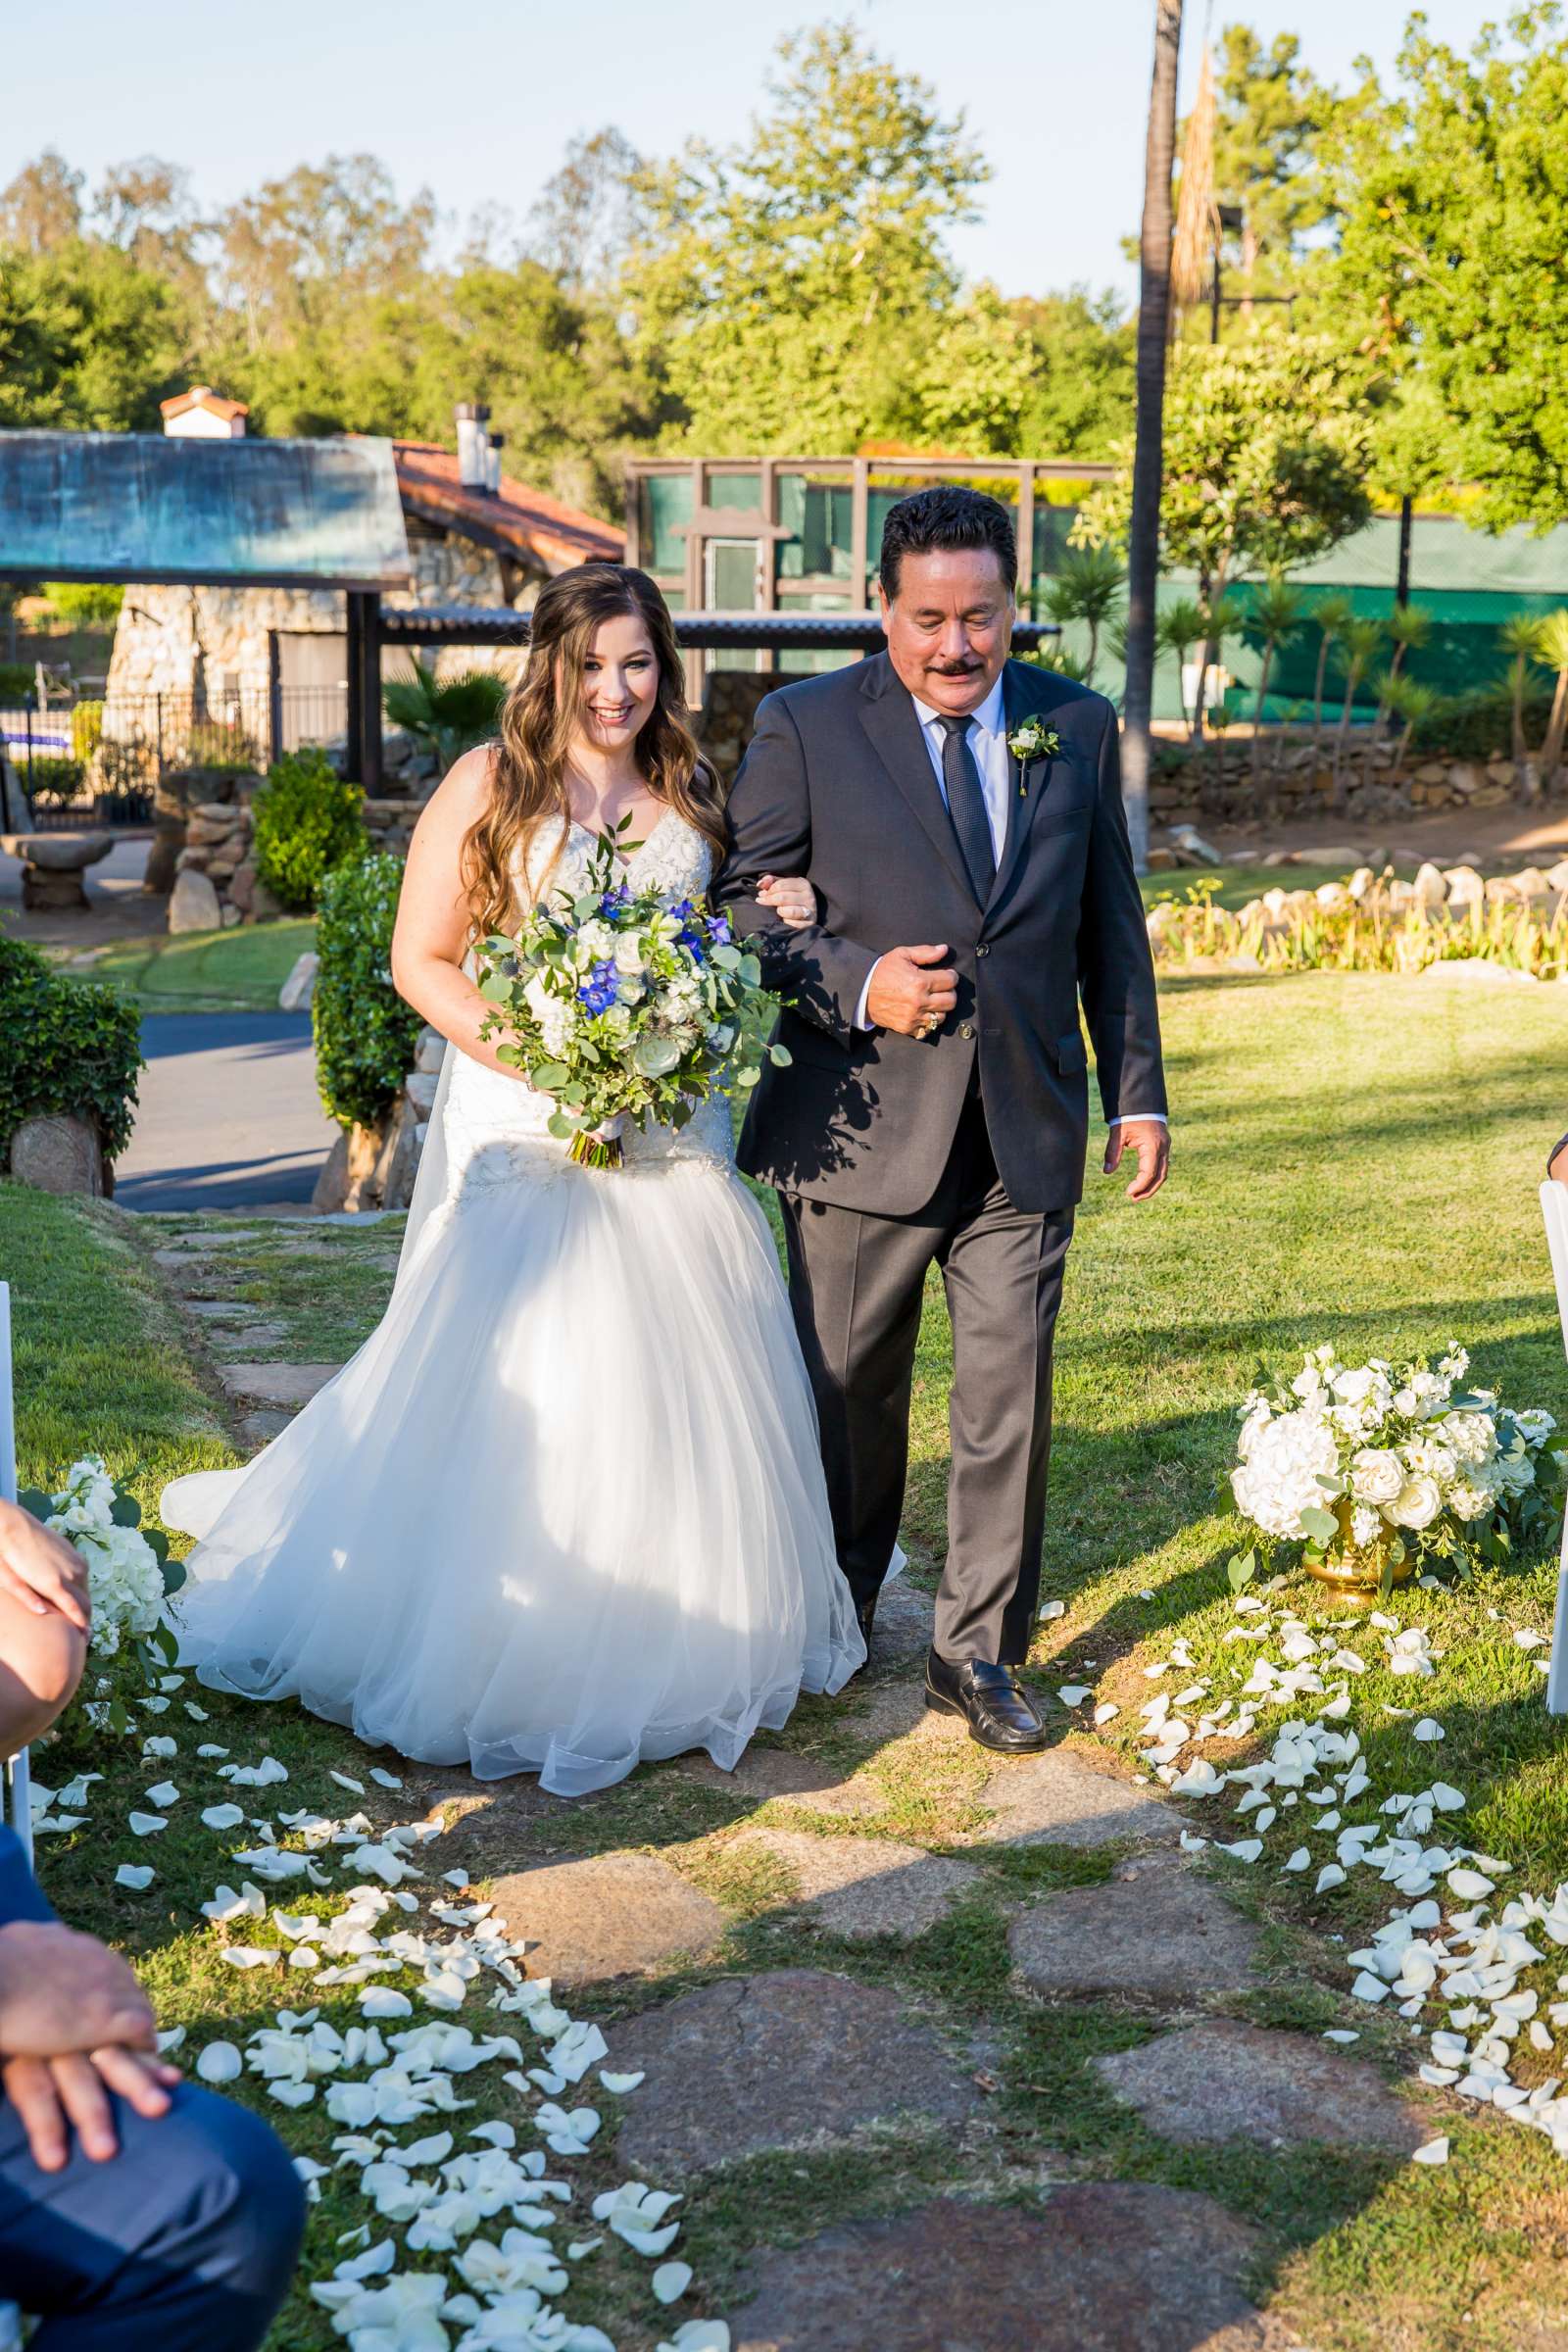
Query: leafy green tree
1079,402
1453,222
41,207
795,284
1271,115
87,340
1265,447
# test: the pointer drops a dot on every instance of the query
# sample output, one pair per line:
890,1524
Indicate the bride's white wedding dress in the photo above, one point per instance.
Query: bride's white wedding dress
565,1508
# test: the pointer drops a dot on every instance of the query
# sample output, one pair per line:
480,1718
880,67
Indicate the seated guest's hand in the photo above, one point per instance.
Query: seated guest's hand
1557,1165
74,2024
54,2096
790,897
41,1570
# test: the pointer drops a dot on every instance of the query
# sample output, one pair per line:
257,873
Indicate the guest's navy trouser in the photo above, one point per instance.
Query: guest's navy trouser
183,2242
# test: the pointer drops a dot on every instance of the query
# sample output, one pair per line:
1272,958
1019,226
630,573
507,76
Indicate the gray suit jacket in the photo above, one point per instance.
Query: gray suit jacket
837,785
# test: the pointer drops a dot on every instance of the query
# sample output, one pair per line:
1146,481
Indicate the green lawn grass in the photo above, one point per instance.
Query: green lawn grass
1355,1160
205,971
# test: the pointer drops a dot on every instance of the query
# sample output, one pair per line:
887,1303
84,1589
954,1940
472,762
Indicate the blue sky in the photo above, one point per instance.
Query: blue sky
477,98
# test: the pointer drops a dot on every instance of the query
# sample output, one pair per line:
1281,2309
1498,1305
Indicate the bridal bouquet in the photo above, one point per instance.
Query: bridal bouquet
626,1005
1378,1469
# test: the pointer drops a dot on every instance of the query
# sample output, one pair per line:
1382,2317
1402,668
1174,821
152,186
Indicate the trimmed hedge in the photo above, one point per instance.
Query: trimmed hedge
308,823
365,1033
71,1047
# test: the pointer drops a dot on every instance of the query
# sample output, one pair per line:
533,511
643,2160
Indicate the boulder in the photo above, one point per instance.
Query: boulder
203,832
1531,883
59,1155
1501,771
1361,881
431,1045
1465,884
348,1171
296,992
1465,779
1558,875
232,919
242,886
263,906
391,1184
1430,888
191,861
59,853
162,858
420,1090
193,904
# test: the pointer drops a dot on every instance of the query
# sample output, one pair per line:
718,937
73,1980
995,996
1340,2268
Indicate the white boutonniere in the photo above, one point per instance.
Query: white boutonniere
1034,740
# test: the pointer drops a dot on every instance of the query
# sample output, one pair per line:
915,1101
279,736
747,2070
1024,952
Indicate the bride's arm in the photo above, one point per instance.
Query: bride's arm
433,927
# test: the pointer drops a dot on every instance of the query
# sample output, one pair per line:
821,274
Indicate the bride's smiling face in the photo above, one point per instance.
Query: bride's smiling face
620,683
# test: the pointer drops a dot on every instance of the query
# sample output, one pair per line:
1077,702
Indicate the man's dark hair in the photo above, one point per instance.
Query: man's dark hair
943,517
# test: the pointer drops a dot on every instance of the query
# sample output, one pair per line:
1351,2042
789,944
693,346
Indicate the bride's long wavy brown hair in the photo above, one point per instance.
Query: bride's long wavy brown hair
545,709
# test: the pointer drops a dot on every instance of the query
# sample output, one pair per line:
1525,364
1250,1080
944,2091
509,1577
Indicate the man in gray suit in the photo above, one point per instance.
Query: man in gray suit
959,817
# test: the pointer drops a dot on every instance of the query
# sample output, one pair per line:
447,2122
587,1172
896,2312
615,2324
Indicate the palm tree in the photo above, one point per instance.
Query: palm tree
1329,616
1410,702
1064,661
1153,334
1276,615
1551,641
1411,627
1520,638
1178,628
448,715
1087,588
1359,639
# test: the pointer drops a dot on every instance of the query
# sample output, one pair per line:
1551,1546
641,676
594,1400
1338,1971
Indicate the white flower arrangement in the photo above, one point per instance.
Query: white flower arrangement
129,1573
1391,1464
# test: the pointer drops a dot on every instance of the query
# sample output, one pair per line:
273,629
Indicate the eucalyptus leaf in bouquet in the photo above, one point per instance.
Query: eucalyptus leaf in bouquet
624,1005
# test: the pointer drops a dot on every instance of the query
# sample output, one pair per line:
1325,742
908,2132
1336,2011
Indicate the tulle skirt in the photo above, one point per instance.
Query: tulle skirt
563,1509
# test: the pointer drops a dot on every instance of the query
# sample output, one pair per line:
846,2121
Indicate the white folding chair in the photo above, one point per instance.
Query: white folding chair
16,1794
1554,1208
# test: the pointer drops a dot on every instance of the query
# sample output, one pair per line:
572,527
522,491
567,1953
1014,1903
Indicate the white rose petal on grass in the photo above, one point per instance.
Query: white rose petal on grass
698,2335
384,1779
671,2282
1106,1711
137,1876
1368,1988
1331,1875
380,2000
1436,2152
220,2061
223,1817
164,1795
1340,2033
162,1746
1073,1695
1048,1610
1428,1729
619,2084
146,1825
1199,1780
344,1782
250,1955
210,1750
1301,1859
1529,1640
1470,1886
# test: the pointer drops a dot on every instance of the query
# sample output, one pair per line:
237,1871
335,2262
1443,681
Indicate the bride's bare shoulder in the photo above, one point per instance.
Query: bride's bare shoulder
462,795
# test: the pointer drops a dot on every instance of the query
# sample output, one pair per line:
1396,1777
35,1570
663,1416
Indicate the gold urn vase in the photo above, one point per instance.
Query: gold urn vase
1356,1576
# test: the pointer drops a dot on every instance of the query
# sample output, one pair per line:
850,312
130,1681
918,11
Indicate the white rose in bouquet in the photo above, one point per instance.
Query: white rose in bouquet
630,957
1376,1474
1472,1436
1416,1505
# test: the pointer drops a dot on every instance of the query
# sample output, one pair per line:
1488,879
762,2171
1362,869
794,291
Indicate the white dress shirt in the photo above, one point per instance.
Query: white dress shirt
987,737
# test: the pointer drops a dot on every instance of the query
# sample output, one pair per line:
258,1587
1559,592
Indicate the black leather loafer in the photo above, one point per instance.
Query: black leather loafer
999,1712
865,1618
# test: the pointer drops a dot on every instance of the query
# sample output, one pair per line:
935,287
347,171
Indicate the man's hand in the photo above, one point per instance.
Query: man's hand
41,1570
1151,1140
1557,1165
54,2095
912,991
62,1994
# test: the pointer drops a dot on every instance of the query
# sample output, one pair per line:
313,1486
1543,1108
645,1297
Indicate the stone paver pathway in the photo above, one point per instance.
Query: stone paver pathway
619,1915
1223,2081
1157,1932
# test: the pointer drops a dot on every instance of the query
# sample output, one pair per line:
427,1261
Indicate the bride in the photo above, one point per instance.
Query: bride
565,1508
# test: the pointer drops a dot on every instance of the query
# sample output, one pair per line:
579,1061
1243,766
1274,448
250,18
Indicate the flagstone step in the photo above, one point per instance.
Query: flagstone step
1064,1798
276,1384
1156,1932
783,2059
588,1922
1103,2267
1224,2081
766,1773
863,1887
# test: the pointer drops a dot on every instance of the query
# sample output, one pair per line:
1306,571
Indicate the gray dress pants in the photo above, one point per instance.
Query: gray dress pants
855,1287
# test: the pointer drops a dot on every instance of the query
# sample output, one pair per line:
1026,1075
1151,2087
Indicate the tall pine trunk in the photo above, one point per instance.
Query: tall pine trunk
1153,332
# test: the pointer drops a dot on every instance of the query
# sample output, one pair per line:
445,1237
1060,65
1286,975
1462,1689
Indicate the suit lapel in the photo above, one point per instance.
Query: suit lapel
1020,700
887,713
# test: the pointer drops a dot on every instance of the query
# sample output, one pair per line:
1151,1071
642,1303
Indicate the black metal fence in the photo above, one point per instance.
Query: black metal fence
100,762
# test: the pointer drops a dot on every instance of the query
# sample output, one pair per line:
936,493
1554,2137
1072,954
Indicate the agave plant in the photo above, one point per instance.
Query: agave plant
1178,628
1552,642
1087,588
1275,617
449,715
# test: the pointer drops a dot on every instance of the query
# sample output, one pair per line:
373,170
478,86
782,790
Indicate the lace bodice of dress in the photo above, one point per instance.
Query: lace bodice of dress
497,1129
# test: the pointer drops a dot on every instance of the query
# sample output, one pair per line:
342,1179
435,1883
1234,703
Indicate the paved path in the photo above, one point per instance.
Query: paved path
228,1115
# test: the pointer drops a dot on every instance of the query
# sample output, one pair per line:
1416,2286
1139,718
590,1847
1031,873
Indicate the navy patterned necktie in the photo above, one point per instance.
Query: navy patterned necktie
966,806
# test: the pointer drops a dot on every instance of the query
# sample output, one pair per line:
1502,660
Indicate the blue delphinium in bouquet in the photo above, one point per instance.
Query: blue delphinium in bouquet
626,1005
